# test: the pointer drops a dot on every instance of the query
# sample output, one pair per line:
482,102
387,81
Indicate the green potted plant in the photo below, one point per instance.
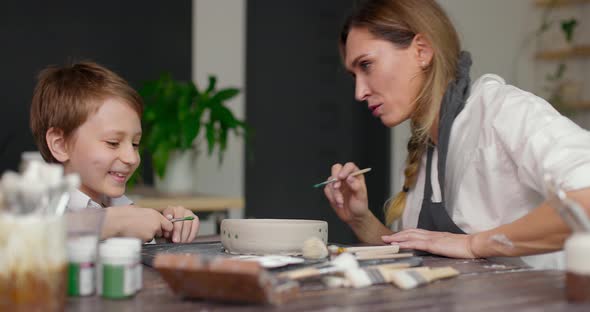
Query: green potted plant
562,92
567,27
178,117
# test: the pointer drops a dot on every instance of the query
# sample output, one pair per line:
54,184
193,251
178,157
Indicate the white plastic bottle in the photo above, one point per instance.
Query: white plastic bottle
119,271
577,253
81,265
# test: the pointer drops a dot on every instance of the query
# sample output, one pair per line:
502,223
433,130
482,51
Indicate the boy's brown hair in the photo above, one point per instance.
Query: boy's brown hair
65,96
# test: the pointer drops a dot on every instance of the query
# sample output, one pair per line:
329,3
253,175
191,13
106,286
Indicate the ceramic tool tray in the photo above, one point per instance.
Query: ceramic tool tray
215,249
209,249
206,271
223,279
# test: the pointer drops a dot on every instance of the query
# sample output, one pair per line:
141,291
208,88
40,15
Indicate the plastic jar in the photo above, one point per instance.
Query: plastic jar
119,271
577,252
81,265
33,262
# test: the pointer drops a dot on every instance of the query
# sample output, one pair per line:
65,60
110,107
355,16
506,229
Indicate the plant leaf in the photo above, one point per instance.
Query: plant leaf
212,83
210,135
224,95
222,143
160,158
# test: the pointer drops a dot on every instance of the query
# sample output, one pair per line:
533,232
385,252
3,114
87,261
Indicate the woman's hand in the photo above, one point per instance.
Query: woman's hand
184,231
348,196
438,243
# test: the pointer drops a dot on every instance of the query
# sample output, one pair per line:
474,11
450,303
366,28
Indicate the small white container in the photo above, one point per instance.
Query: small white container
81,265
577,252
27,157
119,270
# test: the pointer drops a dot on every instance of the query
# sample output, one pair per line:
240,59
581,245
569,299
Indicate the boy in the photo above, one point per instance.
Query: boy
87,118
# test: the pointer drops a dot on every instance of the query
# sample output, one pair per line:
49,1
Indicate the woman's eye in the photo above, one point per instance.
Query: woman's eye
136,146
364,65
113,144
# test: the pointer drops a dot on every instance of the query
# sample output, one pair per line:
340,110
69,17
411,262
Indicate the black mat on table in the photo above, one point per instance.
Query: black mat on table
149,251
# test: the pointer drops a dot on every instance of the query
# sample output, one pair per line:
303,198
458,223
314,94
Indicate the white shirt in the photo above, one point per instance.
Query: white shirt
79,200
501,145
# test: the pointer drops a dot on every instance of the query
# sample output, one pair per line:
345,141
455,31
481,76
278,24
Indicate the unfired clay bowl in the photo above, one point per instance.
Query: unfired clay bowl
270,236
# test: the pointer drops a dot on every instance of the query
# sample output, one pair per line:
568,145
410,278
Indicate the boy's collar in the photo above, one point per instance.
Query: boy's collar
79,200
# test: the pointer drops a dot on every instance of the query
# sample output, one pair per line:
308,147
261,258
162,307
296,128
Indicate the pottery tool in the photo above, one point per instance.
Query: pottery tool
379,274
391,249
272,261
339,265
412,278
314,248
404,278
571,212
373,256
364,277
223,279
370,275
335,179
405,262
182,219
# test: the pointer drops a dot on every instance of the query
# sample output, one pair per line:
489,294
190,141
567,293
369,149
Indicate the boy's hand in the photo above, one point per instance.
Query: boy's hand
184,231
133,221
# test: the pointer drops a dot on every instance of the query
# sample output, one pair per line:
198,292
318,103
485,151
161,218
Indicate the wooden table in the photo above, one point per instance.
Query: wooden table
482,286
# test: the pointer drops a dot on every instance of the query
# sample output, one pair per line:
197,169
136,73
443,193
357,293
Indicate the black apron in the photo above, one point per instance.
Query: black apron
434,216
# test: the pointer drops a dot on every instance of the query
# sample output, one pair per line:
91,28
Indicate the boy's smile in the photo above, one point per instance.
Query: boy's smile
119,176
104,149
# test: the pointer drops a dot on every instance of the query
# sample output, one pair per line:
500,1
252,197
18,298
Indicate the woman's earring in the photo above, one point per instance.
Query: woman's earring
423,64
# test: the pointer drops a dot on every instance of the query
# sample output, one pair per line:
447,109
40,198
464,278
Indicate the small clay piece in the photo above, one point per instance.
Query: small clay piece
314,248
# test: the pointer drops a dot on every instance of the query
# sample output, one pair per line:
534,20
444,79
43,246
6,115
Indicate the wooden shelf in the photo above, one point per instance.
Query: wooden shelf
559,3
581,51
145,196
582,105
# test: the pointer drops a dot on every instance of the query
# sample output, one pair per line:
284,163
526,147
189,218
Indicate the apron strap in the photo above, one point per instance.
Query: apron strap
434,216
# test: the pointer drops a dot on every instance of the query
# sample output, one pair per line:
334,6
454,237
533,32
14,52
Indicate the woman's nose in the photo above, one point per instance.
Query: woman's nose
361,92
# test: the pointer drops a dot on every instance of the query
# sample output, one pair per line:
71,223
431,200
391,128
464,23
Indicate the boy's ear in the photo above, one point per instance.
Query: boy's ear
57,144
424,52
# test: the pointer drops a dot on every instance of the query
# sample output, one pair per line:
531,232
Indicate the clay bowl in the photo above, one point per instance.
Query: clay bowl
270,236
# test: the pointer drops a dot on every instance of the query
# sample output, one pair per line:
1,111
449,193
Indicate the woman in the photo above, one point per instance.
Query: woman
474,178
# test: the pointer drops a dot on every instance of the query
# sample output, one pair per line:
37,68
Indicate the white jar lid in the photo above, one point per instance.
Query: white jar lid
128,242
82,249
31,155
577,251
120,250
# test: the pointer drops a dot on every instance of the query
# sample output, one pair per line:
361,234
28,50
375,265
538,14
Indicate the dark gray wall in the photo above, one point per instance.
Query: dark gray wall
301,104
299,99
138,39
